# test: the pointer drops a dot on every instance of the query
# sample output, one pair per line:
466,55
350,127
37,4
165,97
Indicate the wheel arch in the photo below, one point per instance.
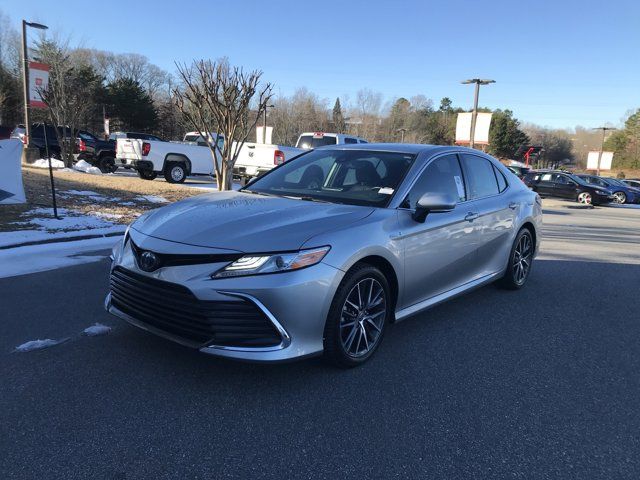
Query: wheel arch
177,158
387,270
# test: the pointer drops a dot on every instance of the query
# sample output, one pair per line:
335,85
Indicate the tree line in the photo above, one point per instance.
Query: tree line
137,95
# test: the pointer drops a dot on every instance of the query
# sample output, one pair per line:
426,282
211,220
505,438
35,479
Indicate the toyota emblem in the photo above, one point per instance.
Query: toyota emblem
149,261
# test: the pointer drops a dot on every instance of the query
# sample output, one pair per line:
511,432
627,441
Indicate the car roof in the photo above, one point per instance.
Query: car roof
410,148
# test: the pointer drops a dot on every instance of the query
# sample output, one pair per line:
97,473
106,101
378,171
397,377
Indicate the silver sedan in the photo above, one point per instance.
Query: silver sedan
323,252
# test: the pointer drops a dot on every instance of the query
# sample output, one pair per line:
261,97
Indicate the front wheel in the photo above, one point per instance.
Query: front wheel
357,317
175,173
520,261
620,197
585,198
147,174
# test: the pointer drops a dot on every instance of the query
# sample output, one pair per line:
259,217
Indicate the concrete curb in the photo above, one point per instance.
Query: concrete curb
61,240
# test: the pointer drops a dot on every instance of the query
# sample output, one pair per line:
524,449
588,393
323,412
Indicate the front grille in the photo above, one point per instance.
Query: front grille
174,309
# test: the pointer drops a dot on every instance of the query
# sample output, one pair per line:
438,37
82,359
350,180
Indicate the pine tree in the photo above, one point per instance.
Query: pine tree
338,118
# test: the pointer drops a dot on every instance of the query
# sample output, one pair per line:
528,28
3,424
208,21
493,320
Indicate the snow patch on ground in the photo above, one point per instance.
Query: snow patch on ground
90,195
38,344
86,167
97,329
49,256
151,199
44,163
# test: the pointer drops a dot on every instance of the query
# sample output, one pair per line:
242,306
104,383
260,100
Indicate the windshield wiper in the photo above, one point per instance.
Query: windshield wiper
259,193
307,198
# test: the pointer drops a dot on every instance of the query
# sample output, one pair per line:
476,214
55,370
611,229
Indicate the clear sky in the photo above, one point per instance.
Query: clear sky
557,63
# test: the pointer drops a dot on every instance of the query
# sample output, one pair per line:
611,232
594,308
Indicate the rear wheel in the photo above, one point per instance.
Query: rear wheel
147,174
175,172
620,197
585,198
520,261
107,165
357,318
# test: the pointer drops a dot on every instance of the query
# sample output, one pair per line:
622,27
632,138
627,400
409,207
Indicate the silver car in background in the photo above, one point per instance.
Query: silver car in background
321,253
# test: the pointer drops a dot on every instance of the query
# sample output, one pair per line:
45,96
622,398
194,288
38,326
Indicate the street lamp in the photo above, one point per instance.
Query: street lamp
264,129
604,131
474,115
25,74
402,132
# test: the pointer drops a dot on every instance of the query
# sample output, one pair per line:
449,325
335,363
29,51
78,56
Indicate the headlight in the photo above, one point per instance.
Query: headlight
278,262
600,192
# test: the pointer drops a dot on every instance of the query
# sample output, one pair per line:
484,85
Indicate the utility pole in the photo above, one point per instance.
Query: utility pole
604,132
474,115
25,74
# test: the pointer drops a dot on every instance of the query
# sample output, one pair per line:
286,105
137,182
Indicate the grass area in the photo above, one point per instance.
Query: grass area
119,197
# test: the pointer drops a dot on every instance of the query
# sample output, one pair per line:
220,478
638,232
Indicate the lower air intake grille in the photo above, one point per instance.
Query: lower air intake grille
173,309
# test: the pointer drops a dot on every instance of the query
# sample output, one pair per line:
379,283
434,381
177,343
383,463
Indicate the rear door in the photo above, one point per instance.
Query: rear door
494,214
564,186
439,254
545,185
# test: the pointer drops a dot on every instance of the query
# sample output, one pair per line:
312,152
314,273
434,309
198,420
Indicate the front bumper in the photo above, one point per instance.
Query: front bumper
296,303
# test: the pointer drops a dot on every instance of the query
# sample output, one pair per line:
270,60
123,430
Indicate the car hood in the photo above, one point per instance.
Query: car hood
246,222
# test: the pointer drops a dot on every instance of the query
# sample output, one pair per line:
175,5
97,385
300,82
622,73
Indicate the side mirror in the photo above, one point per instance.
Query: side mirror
433,203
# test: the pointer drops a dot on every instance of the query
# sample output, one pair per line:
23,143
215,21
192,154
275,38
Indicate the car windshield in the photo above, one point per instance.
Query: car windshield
354,177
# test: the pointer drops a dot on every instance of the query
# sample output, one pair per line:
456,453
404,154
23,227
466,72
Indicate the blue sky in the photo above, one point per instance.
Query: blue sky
557,63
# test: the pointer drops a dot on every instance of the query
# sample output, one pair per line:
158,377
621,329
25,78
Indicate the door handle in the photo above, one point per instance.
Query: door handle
471,216
513,205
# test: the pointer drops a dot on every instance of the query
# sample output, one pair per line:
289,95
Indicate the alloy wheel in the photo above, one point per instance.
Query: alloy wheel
522,256
585,198
362,318
620,197
177,173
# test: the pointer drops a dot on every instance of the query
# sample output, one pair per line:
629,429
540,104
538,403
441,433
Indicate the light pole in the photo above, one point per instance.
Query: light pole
402,132
264,129
25,74
604,132
474,115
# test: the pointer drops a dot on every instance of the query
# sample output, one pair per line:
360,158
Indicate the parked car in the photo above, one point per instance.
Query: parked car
255,159
622,193
632,182
174,160
292,266
310,140
520,172
140,136
38,138
565,185
5,133
99,153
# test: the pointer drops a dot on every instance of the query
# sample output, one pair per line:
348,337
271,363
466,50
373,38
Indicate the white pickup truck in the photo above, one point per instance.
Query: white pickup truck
174,160
255,159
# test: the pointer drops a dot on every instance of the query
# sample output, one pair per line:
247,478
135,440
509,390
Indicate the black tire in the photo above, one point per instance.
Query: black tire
512,279
336,330
175,172
107,164
147,174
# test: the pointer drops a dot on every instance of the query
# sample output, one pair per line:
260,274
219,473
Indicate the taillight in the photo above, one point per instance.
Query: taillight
146,148
82,146
24,139
278,157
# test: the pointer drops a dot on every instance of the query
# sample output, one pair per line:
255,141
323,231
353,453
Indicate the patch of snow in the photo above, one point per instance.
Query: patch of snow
84,193
151,199
38,344
44,163
113,216
97,329
39,258
90,195
86,167
69,220
23,236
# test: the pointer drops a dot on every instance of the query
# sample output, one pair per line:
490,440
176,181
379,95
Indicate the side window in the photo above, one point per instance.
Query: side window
481,181
363,141
350,140
443,175
546,177
502,182
559,179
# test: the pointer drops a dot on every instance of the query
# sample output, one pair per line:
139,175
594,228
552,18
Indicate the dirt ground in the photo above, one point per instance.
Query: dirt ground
119,196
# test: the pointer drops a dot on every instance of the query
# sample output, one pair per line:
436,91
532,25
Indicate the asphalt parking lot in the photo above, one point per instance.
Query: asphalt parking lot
539,383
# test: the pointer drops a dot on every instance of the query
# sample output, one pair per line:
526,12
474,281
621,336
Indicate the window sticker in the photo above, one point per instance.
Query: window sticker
385,191
459,186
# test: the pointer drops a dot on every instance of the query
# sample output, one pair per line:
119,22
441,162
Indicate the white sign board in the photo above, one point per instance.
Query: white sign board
463,128
38,81
11,189
605,161
260,133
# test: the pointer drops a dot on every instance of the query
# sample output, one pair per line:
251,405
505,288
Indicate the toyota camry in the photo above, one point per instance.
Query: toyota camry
322,253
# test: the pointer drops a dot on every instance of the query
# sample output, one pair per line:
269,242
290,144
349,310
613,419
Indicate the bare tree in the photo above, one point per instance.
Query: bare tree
218,98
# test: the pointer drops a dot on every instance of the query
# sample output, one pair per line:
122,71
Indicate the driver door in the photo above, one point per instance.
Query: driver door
439,254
